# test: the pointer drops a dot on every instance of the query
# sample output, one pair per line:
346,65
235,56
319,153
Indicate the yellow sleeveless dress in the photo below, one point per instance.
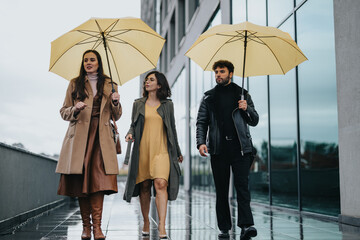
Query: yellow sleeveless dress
153,157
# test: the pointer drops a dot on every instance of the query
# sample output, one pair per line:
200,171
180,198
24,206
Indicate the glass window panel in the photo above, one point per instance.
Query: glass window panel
298,2
318,109
178,91
216,20
238,81
200,82
157,16
278,10
172,38
259,170
257,12
238,11
283,135
201,168
181,20
192,6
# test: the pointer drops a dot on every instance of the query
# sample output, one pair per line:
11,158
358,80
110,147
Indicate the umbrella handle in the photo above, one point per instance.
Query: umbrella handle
113,90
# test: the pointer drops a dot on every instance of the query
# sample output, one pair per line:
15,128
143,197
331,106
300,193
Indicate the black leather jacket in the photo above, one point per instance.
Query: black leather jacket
207,131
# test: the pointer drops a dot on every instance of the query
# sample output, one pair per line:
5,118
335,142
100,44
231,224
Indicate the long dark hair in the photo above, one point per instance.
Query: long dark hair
79,91
164,91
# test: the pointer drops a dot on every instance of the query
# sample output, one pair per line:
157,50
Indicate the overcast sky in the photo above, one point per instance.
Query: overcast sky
30,95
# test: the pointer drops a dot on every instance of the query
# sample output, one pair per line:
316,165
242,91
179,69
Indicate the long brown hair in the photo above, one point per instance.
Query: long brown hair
164,91
79,91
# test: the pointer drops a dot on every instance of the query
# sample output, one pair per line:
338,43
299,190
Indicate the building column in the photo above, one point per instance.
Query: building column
187,162
347,45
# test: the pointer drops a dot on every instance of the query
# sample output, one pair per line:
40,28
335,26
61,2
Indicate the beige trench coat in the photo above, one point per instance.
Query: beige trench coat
72,153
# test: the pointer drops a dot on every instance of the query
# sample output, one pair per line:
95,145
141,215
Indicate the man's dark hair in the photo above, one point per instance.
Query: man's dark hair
222,64
164,91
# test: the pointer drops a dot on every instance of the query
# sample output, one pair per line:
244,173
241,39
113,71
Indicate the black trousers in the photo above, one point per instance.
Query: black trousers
240,165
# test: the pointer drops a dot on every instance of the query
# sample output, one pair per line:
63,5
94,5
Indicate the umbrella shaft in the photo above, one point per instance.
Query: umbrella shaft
107,59
245,44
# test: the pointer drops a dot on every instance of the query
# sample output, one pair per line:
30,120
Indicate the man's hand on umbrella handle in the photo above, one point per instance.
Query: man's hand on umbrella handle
242,104
80,106
129,137
115,97
203,150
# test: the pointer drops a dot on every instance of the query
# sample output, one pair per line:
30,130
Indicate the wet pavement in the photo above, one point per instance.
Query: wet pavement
189,218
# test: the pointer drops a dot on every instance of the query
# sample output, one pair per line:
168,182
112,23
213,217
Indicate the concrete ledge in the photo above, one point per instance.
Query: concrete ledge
21,150
349,220
28,185
10,224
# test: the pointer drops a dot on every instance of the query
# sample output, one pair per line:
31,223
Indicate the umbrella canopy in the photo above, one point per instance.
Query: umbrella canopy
253,49
130,46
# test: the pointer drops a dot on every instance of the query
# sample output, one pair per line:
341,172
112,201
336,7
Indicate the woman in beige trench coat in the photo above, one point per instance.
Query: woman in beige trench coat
88,162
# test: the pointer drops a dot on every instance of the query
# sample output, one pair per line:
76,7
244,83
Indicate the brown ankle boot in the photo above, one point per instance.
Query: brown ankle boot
96,202
85,211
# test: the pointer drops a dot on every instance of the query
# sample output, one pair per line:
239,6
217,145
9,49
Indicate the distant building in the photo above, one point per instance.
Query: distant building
305,115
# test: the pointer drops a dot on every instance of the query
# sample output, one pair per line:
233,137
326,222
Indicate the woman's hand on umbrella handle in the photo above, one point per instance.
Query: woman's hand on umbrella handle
242,104
181,159
129,137
115,97
80,106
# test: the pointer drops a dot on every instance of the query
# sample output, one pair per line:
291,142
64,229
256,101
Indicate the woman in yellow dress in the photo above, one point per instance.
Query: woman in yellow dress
156,153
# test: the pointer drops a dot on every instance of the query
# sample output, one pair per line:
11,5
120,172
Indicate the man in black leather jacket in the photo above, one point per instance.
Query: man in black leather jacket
222,131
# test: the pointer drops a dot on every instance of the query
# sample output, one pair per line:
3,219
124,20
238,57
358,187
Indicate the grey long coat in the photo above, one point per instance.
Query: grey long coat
166,111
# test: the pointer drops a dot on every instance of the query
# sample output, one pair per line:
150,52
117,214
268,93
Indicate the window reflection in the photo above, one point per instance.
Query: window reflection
178,91
238,11
200,82
283,128
318,109
257,11
278,10
259,170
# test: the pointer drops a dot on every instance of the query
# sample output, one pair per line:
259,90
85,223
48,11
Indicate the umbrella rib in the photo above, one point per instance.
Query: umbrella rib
218,51
97,43
112,25
240,37
138,30
62,55
125,42
154,65
119,41
274,53
294,47
84,42
88,32
98,25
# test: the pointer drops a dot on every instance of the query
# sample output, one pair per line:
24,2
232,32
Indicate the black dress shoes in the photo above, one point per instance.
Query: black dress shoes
248,233
224,234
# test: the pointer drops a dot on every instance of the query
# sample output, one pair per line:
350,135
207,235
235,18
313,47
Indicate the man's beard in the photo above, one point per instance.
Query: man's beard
223,83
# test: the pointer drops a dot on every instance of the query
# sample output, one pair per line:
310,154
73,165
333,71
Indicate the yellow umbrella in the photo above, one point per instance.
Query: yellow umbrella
253,49
132,45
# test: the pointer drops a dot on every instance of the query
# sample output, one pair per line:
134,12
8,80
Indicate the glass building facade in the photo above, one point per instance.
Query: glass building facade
297,161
